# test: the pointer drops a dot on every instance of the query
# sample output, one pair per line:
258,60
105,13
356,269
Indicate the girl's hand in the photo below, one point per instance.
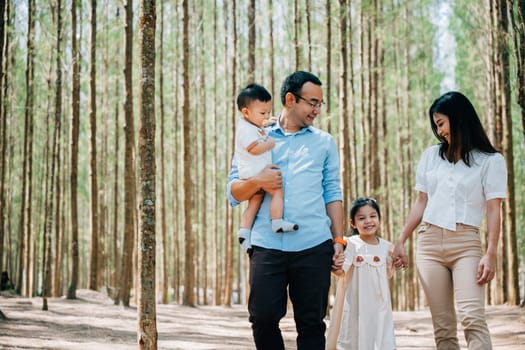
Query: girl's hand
486,269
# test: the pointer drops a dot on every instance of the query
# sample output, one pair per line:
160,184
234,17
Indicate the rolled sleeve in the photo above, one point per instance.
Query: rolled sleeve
232,177
331,178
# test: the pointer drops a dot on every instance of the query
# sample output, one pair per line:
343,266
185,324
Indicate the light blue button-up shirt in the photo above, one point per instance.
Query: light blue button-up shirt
309,162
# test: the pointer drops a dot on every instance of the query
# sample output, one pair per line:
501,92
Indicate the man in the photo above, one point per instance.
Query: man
306,167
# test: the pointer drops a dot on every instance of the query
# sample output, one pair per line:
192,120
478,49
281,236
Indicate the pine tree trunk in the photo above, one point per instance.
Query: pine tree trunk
3,132
509,234
328,87
251,41
187,185
519,32
129,167
75,119
344,132
25,237
57,153
215,258
296,24
308,35
163,285
94,251
203,188
147,316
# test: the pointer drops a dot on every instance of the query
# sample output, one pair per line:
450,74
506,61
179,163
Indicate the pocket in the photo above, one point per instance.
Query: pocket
423,228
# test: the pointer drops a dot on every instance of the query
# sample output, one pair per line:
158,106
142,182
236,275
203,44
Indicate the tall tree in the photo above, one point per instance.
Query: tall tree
328,9
229,268
58,140
3,131
214,174
308,35
94,251
47,251
126,269
74,137
147,316
163,247
187,184
25,238
344,135
517,16
251,41
296,24
509,234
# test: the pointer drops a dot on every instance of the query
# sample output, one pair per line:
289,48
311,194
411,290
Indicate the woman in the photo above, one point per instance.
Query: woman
458,180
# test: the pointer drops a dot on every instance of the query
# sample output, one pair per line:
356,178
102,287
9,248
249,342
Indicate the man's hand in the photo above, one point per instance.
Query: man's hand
270,178
338,258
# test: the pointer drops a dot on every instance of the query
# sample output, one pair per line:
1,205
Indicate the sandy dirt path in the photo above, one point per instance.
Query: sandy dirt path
93,322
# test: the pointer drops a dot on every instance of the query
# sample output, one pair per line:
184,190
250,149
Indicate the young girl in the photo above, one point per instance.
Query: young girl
362,317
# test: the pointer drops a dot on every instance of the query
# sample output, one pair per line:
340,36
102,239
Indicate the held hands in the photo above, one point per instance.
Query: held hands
486,269
338,259
399,256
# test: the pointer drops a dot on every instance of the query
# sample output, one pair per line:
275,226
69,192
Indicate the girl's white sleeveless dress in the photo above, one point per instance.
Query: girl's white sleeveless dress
367,321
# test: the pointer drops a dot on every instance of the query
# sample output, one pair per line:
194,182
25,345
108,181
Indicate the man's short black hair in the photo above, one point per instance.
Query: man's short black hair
295,81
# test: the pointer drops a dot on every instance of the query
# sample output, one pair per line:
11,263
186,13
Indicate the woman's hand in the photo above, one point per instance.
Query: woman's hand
486,269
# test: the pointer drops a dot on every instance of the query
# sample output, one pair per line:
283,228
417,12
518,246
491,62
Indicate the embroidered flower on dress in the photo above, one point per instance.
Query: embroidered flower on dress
376,259
359,258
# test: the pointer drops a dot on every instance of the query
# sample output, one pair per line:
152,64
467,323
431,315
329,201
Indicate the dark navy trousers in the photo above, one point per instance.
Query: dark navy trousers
305,276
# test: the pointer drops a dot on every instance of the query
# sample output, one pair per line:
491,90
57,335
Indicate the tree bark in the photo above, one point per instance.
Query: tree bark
25,237
94,250
75,121
129,161
163,285
187,185
147,316
3,131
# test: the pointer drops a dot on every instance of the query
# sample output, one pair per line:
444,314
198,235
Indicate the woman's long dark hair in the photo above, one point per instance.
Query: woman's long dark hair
466,131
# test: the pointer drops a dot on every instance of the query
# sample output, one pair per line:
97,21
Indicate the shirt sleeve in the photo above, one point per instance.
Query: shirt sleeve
421,179
232,177
331,178
248,135
494,178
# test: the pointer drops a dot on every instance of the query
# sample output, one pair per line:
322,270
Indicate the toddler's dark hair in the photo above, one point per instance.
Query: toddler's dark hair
359,203
252,92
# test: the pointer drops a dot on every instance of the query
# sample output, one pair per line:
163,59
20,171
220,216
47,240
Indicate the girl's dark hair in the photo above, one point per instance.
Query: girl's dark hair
466,131
358,204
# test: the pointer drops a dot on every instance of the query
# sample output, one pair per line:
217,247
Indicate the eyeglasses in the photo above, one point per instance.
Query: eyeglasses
312,104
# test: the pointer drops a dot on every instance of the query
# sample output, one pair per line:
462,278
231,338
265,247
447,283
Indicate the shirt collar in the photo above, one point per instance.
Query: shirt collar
279,129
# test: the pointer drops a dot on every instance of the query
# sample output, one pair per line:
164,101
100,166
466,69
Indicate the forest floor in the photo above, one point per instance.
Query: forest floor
93,322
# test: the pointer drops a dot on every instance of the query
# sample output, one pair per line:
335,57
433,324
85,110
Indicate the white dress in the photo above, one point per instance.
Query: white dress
367,321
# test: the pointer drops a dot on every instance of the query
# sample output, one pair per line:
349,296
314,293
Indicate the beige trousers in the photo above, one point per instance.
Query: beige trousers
447,263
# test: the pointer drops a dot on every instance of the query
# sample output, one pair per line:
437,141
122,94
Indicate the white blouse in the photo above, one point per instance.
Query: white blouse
458,193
